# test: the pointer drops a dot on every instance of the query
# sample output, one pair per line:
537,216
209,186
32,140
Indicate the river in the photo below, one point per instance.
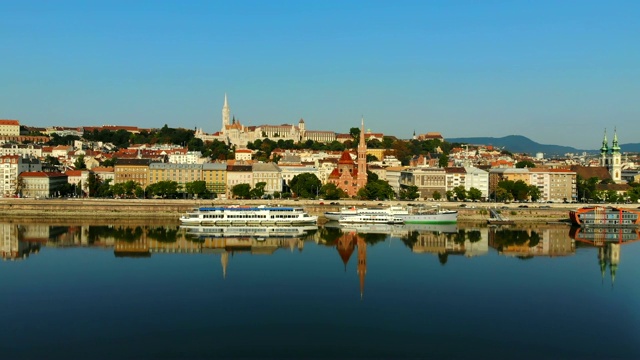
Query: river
148,289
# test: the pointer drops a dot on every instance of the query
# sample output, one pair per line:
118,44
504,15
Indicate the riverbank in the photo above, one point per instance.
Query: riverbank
171,209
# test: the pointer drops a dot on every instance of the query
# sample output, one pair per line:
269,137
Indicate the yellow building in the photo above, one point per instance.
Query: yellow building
136,170
215,176
180,173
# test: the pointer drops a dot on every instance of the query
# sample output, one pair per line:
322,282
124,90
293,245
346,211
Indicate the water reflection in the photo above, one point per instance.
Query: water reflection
19,241
609,242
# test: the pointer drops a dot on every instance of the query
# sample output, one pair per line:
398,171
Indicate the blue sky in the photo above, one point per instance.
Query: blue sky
559,72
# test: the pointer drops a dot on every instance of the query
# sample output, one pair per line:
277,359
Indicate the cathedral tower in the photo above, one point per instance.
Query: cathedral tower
225,113
616,160
361,179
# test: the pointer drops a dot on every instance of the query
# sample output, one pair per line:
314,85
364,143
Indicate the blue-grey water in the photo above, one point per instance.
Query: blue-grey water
154,291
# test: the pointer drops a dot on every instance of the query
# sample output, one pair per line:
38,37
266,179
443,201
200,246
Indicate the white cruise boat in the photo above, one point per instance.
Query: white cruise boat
352,211
421,215
260,215
371,219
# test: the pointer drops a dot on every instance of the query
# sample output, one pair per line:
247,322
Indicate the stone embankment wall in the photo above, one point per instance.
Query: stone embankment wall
171,209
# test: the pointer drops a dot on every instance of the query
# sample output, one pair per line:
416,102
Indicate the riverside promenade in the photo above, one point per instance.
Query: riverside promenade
11,208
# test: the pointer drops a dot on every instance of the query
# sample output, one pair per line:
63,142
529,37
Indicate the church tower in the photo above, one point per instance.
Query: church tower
616,160
225,113
361,180
604,151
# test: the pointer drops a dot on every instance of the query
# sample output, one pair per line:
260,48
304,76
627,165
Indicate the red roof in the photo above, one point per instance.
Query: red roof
345,158
9,122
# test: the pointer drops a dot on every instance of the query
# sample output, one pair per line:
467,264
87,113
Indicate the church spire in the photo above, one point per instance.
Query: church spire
361,179
605,146
615,148
225,113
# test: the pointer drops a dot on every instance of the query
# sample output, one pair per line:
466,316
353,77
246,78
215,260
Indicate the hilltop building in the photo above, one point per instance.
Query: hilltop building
232,132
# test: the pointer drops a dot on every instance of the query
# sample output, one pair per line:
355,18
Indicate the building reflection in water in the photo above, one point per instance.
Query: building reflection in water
13,246
527,243
445,240
345,245
21,241
609,242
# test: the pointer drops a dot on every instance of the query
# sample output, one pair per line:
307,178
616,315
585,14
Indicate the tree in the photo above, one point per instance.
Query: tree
525,164
474,194
332,192
241,191
355,135
449,195
443,161
409,193
93,184
371,158
436,195
305,185
163,189
376,190
534,193
79,164
198,188
633,194
258,191
460,192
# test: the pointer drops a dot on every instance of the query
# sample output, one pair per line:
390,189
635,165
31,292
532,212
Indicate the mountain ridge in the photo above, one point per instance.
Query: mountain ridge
522,144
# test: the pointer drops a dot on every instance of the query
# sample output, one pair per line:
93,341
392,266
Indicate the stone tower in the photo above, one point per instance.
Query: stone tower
361,179
225,113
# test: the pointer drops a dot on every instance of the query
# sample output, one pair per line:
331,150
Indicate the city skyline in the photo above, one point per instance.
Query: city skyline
556,72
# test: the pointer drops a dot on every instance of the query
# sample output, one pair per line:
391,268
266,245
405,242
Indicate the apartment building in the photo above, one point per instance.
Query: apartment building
9,128
136,170
556,185
268,173
40,184
427,180
477,178
180,173
215,177
11,166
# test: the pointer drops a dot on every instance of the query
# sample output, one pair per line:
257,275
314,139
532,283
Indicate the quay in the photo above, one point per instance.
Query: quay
11,208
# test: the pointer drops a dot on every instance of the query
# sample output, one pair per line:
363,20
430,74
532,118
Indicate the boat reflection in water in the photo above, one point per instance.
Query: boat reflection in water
609,242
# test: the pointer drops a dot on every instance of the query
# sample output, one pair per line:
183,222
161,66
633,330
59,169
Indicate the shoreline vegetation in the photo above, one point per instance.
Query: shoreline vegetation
163,210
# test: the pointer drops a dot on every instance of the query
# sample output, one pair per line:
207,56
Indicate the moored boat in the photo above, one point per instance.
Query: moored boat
421,215
601,216
353,211
371,219
260,215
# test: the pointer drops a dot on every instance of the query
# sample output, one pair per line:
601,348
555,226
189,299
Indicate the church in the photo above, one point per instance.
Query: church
233,132
349,175
611,158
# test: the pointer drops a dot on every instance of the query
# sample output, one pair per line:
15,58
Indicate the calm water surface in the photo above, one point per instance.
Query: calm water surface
153,291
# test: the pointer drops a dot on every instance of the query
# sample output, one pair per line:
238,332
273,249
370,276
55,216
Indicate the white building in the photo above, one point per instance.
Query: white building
11,166
39,184
268,173
477,178
9,127
24,150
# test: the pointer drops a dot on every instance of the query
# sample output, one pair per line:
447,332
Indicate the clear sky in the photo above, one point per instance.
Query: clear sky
559,72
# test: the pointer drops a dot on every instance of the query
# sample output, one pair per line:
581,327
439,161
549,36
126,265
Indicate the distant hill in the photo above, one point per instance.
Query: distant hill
522,144
518,144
